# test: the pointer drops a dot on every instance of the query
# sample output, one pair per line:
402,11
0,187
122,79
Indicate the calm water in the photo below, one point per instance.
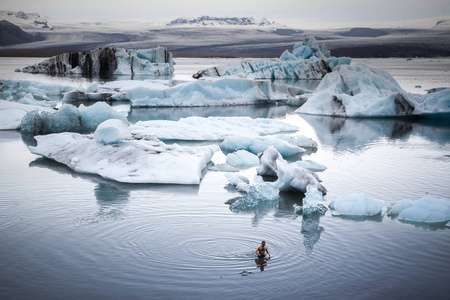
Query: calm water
65,235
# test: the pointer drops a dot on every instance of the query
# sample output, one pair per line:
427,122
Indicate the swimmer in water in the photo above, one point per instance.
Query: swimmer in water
262,249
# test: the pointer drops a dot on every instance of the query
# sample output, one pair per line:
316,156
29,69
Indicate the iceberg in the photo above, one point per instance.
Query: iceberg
428,209
108,61
363,91
218,92
208,129
313,202
356,205
69,119
12,113
112,131
291,176
130,161
256,145
257,194
311,165
400,206
307,61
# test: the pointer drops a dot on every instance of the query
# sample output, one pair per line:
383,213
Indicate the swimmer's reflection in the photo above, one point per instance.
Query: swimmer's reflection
261,262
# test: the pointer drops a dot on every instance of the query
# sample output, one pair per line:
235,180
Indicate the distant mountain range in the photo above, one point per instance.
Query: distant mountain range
220,36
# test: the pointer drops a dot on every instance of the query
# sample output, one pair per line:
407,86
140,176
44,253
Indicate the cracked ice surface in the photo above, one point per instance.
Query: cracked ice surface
131,161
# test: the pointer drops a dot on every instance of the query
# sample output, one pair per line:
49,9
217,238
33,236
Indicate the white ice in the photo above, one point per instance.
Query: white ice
257,145
131,161
311,165
363,91
399,206
313,201
428,209
356,205
208,129
219,92
112,131
12,113
242,158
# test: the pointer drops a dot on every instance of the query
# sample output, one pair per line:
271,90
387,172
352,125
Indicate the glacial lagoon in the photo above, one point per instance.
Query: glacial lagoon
69,235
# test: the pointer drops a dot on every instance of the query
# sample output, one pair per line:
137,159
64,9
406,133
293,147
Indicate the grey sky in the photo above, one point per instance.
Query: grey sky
297,11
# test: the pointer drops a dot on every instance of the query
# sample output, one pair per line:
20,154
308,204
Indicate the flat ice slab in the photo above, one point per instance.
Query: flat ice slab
208,129
132,161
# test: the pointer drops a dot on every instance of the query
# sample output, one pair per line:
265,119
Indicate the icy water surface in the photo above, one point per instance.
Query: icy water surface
65,235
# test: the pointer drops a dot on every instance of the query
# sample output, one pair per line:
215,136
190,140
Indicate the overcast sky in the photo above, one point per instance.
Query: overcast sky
284,11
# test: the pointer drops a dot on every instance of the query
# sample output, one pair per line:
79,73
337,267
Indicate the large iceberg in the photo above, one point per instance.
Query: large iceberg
69,119
131,161
12,113
208,129
306,61
219,92
108,61
363,91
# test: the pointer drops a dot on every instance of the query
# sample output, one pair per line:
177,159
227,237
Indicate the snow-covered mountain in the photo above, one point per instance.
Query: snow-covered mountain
26,21
221,21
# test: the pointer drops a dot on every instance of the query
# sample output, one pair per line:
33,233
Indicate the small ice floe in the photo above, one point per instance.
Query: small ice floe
313,202
311,165
12,113
428,209
258,193
209,129
399,206
356,205
131,161
112,131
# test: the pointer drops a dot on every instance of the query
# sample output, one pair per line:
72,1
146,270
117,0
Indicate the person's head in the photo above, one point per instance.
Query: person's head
263,243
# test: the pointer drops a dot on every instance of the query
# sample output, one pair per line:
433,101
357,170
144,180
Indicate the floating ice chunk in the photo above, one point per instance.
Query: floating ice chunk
241,182
429,209
293,177
313,201
268,162
219,92
398,207
12,113
363,91
242,158
259,193
69,118
223,168
334,62
311,165
112,131
356,205
299,140
208,129
132,161
256,145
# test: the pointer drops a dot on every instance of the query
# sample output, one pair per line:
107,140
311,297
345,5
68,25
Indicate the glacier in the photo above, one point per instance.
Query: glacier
364,91
129,161
219,92
107,61
306,61
208,129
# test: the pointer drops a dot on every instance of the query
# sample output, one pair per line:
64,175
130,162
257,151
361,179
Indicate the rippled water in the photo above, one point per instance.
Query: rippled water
65,235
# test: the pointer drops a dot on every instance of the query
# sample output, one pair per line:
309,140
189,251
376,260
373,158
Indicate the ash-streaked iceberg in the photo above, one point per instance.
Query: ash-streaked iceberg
208,129
306,61
363,91
108,61
131,161
12,113
218,92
